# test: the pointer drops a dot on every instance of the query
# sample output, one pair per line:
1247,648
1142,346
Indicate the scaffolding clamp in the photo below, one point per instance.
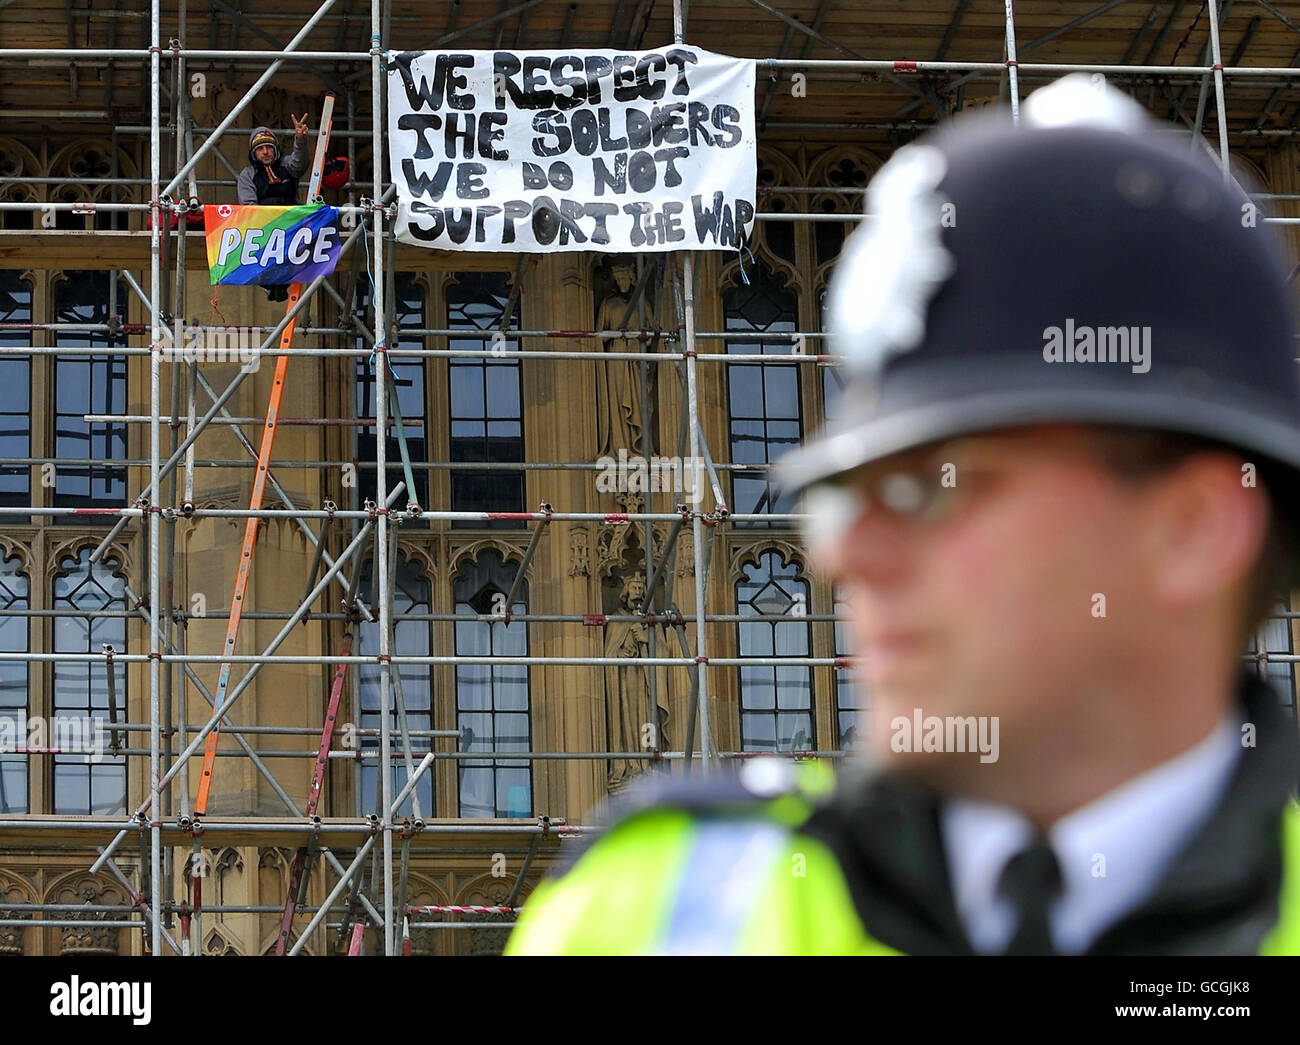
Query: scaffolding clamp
330,508
544,822
187,509
373,819
371,509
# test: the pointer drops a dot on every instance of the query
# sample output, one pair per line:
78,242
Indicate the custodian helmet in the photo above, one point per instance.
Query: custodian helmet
1077,267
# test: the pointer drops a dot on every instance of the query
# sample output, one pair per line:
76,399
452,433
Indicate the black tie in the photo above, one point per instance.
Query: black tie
1031,880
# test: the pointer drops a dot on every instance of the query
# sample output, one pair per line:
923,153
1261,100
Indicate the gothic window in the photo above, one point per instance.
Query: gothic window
486,404
94,782
15,388
408,377
776,712
848,685
411,595
1277,641
94,383
766,419
15,704
843,174
492,705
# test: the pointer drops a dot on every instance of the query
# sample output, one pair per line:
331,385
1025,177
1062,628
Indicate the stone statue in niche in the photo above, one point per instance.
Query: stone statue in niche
627,688
619,424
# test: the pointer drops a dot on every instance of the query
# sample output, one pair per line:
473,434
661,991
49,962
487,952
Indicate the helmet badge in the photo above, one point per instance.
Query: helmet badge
893,264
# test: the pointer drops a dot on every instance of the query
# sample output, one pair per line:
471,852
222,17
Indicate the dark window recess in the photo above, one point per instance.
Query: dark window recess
90,384
14,703
409,377
766,418
492,703
486,402
776,710
15,390
411,594
92,782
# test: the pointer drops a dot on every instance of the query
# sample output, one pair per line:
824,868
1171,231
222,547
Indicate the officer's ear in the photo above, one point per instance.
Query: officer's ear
1205,532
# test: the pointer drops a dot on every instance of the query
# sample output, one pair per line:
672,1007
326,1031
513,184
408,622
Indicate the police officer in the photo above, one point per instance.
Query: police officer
1058,501
270,181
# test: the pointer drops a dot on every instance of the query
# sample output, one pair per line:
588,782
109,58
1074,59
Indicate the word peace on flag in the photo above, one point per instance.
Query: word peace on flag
271,245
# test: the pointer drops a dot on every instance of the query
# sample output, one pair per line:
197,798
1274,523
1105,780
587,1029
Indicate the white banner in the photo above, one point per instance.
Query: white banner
572,150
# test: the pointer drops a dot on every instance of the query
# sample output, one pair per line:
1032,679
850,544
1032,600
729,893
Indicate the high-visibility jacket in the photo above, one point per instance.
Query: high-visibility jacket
667,882
723,872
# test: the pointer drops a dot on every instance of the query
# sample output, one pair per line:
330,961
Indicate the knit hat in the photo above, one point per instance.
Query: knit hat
262,136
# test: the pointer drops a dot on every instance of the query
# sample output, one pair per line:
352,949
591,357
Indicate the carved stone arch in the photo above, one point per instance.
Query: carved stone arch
614,542
91,158
192,861
425,279
12,549
227,859
15,890
73,546
776,168
220,942
751,552
17,160
422,557
273,869
81,887
444,278
423,891
850,166
470,553
487,891
787,275
846,165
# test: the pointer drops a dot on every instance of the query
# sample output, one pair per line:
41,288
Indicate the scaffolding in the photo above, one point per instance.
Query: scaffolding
164,824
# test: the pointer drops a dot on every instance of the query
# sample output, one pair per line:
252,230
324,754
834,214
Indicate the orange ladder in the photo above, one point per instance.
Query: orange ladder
259,480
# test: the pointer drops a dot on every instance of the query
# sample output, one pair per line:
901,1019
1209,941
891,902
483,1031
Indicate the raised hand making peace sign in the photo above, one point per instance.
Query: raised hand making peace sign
299,126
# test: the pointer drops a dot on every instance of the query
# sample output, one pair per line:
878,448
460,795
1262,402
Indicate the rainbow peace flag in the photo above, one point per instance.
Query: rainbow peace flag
271,245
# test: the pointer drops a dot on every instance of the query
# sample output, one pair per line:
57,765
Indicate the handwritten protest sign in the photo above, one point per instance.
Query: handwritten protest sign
572,150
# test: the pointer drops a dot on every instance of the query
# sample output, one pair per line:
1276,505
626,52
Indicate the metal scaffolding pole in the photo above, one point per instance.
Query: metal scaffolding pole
155,447
380,571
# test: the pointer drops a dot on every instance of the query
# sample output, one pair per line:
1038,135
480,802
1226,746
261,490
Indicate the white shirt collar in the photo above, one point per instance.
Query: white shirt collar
1112,851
